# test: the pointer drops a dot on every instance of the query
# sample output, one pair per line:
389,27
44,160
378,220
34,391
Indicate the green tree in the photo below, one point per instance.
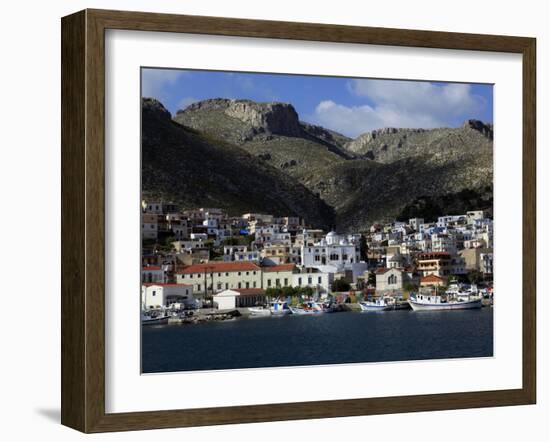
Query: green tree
475,277
340,285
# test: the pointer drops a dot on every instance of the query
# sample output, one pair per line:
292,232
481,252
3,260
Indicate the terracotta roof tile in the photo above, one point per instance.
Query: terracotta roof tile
220,267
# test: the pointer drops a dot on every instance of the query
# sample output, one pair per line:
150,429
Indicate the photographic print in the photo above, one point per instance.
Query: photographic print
301,220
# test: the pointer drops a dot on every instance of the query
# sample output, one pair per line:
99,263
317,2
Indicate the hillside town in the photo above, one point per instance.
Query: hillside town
205,258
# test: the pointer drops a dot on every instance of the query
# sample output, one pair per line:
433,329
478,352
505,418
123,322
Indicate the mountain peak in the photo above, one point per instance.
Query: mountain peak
261,117
480,126
154,108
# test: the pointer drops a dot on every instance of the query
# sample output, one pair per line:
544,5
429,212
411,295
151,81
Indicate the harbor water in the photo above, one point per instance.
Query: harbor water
330,338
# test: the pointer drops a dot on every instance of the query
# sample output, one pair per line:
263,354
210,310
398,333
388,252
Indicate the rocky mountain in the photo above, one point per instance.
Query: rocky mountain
391,144
197,170
381,175
270,131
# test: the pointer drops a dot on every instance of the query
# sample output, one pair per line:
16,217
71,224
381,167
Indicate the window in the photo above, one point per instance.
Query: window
239,273
226,286
190,276
247,285
269,282
254,284
278,282
239,285
319,279
219,274
198,287
226,274
309,280
317,258
299,281
154,293
247,273
219,286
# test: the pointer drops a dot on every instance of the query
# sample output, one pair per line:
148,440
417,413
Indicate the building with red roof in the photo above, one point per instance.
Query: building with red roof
214,277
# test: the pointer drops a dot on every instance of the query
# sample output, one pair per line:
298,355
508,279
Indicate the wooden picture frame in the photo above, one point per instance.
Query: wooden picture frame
83,220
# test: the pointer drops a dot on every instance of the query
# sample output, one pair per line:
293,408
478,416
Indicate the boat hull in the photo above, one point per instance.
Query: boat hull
259,312
460,305
374,308
301,311
155,321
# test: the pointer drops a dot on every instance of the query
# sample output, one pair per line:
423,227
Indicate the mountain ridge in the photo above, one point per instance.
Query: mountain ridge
380,175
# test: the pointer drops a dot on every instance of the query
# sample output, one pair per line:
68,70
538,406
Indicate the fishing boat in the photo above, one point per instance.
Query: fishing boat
259,311
279,308
444,302
308,308
152,319
377,305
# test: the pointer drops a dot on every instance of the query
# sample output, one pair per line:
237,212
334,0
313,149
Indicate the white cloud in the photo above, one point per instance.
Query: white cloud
399,104
154,81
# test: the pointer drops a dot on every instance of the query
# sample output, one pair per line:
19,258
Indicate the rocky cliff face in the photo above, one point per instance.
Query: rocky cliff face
268,118
256,118
391,144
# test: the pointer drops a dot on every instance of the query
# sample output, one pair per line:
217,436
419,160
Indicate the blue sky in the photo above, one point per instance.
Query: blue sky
347,105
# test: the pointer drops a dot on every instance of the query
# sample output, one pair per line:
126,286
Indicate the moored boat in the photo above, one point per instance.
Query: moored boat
259,311
159,319
279,308
308,308
444,302
377,305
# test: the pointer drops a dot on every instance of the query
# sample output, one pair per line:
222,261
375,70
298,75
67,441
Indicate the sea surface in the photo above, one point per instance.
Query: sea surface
330,338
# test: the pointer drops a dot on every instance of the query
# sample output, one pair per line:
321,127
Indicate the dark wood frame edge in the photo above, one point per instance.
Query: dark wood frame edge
83,235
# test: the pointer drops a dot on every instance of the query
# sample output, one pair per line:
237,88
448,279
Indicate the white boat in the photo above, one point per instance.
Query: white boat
445,302
279,308
154,320
259,311
377,305
308,308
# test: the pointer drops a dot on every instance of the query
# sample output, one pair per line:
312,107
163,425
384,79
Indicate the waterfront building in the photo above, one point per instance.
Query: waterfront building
239,298
319,281
434,263
214,277
389,279
160,295
277,276
432,280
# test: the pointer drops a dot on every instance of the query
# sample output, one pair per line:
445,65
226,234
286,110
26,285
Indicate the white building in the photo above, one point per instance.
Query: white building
320,282
239,298
158,295
332,251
